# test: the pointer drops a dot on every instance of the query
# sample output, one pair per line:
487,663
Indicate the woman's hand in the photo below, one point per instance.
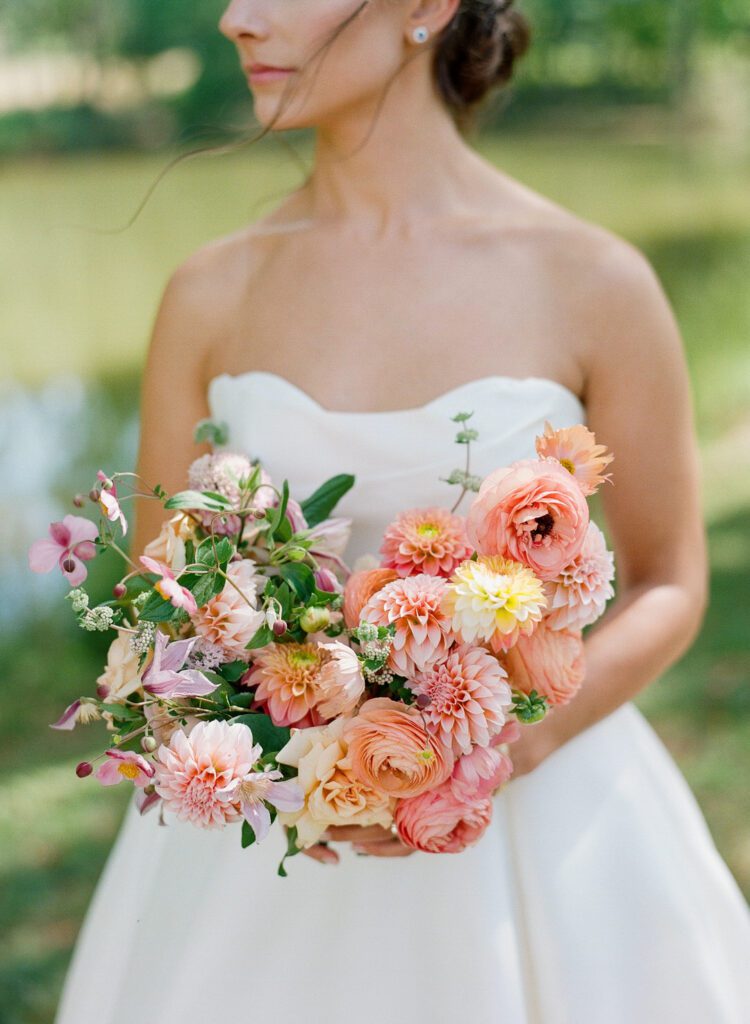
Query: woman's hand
536,742
372,839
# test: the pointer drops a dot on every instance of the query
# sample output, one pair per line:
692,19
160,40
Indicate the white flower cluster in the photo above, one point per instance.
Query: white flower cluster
97,619
79,599
467,480
206,655
141,641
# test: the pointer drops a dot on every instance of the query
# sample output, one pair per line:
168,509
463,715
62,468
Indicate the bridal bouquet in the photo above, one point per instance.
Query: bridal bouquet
255,676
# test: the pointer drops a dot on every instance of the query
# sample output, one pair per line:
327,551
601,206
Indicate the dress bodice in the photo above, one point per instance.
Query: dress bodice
398,457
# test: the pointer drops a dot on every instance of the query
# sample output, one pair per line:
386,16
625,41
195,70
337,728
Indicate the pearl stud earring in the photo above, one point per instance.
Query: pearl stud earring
420,33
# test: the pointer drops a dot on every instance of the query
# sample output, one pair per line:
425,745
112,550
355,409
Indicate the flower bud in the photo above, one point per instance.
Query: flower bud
423,700
78,500
119,590
94,494
68,565
148,743
296,554
279,627
102,691
314,619
83,769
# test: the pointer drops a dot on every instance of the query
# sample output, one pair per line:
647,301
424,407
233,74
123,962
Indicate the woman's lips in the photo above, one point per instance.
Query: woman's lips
259,74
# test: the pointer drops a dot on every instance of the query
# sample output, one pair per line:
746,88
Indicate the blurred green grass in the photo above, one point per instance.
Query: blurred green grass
77,301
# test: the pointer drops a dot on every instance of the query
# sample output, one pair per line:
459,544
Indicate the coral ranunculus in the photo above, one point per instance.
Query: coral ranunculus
360,587
423,628
391,750
533,511
576,450
478,774
577,597
494,600
468,697
550,661
431,540
440,822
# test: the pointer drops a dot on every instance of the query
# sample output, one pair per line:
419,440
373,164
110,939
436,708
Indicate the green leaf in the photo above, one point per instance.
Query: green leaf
215,432
243,699
271,737
158,609
248,835
122,711
233,670
300,577
262,637
291,849
208,500
321,503
214,552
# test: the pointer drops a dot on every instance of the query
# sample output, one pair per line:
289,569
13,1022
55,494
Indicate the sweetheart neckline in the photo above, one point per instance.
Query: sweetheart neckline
451,392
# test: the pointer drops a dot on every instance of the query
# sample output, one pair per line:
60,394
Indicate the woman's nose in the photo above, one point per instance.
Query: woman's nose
241,17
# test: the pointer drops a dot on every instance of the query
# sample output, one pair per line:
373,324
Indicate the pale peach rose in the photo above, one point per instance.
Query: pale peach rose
334,795
576,450
121,675
424,632
359,588
231,619
431,540
478,774
465,697
550,661
439,822
169,546
532,511
578,596
391,750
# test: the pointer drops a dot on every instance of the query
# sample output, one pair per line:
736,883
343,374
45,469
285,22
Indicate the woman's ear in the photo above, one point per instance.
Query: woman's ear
432,15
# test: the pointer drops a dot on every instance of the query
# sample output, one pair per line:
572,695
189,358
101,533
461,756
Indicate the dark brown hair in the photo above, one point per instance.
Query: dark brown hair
477,51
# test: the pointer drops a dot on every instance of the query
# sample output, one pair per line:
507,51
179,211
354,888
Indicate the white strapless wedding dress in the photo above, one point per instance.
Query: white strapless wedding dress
597,895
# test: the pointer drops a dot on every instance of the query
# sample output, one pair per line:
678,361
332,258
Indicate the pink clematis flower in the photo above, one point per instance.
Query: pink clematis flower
257,787
168,586
71,544
83,710
165,676
108,502
125,764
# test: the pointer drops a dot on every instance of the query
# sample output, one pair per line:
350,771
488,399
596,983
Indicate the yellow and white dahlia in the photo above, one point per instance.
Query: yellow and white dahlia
494,600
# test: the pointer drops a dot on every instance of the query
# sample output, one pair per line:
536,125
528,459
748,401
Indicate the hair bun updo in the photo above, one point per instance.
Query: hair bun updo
477,51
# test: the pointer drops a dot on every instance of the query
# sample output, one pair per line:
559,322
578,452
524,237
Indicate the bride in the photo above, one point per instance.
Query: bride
406,280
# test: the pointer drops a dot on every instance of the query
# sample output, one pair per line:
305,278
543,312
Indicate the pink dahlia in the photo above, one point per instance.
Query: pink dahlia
438,822
476,775
425,540
424,632
550,661
231,619
197,775
464,697
576,450
577,597
533,512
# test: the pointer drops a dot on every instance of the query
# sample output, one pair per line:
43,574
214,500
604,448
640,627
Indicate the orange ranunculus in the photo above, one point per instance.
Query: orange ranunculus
359,589
390,749
533,512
